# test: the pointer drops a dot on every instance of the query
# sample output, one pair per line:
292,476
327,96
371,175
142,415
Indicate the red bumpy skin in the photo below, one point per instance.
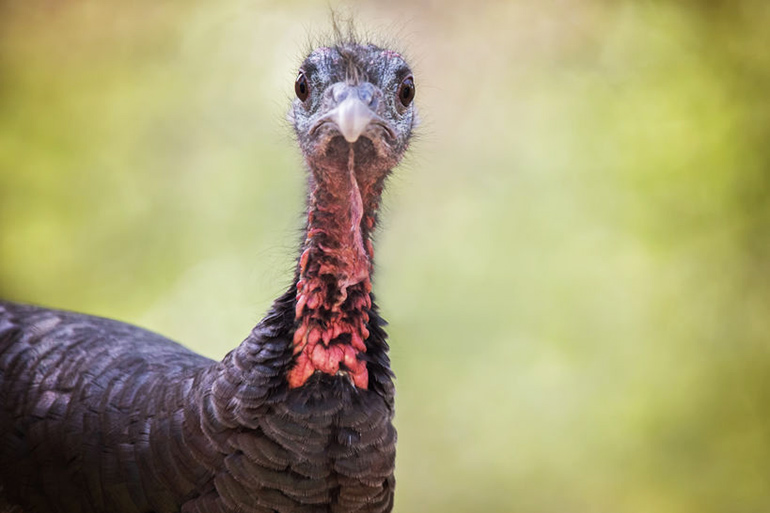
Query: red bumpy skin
334,285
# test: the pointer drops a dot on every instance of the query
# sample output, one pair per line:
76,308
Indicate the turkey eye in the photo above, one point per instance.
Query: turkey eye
406,91
301,87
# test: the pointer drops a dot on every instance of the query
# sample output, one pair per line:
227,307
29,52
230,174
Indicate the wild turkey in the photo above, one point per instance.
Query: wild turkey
101,416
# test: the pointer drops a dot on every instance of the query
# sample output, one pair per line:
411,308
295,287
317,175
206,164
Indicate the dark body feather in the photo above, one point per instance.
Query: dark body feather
99,416
105,416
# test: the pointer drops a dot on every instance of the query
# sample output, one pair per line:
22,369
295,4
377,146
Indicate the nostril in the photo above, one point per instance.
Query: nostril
339,92
366,93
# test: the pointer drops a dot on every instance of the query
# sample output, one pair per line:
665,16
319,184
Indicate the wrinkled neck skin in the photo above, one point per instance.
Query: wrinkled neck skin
334,273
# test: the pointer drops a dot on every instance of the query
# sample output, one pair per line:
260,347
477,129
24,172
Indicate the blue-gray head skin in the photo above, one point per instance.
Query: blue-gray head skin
353,116
354,96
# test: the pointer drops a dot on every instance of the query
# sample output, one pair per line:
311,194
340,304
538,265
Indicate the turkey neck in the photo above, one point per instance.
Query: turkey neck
334,273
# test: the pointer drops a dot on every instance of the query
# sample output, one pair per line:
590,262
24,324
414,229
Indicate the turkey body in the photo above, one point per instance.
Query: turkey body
110,417
101,416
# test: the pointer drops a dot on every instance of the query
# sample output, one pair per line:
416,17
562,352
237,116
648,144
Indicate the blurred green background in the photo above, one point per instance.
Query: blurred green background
574,259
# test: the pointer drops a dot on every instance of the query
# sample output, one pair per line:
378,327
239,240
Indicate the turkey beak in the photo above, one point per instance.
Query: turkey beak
353,112
352,116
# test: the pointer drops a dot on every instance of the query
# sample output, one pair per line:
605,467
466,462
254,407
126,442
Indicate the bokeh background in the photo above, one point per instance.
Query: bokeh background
575,258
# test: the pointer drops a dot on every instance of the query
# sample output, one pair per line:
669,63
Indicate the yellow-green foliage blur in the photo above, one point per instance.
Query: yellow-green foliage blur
574,259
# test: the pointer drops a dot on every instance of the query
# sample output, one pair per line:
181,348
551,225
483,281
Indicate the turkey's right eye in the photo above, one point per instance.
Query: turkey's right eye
301,87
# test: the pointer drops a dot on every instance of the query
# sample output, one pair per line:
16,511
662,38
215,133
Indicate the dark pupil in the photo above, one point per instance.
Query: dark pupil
406,91
301,87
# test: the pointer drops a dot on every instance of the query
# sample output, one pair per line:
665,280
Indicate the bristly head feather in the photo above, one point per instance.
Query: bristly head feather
347,30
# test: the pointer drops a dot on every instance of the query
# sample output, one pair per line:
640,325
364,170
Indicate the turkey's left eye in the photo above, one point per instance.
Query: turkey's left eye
301,87
406,91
